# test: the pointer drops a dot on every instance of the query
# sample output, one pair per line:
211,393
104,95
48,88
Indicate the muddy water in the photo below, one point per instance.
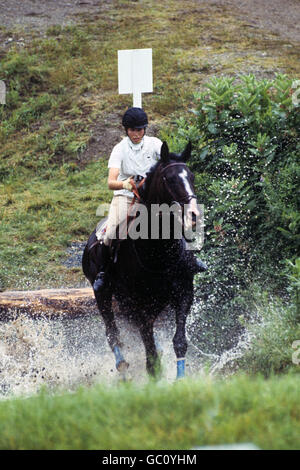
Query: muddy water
62,354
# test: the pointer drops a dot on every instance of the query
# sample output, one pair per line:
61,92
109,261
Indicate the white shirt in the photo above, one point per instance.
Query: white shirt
134,159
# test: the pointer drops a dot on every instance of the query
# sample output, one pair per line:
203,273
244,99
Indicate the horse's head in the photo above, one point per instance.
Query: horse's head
172,182
178,182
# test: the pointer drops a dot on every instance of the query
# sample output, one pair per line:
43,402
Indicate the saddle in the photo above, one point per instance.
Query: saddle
102,224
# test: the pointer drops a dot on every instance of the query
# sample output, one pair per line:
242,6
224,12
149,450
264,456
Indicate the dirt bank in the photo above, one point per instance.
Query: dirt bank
277,16
40,14
23,21
282,18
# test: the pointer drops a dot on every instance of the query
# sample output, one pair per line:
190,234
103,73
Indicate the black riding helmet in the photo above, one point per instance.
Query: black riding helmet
135,118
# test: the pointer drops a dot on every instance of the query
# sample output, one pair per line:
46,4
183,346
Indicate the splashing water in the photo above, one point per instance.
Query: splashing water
63,353
47,352
227,361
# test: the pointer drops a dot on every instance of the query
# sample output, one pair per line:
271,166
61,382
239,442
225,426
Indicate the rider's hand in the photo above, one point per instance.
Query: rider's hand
127,184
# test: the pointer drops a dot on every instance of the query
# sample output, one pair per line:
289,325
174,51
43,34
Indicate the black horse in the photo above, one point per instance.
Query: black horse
148,273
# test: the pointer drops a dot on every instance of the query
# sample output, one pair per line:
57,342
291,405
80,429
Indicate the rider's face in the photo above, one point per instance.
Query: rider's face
135,135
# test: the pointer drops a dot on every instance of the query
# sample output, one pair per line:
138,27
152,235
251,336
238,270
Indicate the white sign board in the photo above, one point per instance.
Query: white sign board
2,92
135,73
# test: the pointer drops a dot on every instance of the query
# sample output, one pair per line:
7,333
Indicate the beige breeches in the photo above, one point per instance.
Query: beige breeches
117,216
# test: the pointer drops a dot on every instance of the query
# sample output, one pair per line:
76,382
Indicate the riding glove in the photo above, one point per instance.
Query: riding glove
127,184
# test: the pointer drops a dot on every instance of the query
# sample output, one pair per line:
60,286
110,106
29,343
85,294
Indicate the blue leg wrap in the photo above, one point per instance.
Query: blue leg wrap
118,355
180,368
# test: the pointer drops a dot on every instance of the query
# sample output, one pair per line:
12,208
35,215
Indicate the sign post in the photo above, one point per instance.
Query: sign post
135,73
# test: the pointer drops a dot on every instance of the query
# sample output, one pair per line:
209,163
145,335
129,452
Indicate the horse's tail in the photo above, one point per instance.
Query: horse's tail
85,261
89,258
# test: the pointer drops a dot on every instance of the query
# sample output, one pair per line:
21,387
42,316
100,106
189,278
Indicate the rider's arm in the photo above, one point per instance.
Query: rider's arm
113,182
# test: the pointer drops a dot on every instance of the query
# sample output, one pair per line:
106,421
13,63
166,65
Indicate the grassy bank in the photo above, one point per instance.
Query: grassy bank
62,108
39,219
58,127
158,416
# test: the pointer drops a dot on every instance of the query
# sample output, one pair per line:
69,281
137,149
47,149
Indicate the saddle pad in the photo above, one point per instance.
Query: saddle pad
101,229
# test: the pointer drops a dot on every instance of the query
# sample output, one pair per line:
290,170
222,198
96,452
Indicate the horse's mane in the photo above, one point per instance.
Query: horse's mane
153,190
152,187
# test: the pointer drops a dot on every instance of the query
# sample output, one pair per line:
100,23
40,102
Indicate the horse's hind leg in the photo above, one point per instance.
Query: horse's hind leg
104,302
153,364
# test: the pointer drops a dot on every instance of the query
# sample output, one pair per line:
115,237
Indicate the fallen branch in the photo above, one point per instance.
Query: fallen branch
50,302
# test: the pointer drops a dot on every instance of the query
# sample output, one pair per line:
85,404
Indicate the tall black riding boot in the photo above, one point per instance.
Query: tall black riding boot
99,282
195,264
199,266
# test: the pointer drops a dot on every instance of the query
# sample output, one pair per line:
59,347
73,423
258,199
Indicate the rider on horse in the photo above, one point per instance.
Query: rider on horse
131,158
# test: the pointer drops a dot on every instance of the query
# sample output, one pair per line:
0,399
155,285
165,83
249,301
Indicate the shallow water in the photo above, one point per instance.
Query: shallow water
65,353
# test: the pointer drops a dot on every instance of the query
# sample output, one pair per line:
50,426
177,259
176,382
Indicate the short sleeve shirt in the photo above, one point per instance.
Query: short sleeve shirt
134,159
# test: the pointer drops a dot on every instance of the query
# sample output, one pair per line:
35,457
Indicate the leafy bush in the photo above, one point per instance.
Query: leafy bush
245,137
274,329
292,272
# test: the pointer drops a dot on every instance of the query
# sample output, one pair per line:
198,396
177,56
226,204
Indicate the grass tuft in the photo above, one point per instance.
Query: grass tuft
157,416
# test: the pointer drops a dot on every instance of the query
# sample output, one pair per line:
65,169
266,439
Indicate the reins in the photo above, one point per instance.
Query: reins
138,198
135,189
135,198
184,199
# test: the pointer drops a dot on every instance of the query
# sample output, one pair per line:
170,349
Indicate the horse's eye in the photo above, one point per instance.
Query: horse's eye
171,179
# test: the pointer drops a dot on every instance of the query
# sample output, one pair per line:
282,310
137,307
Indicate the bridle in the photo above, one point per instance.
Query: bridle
135,187
137,197
181,202
186,198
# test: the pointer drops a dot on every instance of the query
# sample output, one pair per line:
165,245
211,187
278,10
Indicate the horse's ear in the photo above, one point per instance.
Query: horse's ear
164,153
187,152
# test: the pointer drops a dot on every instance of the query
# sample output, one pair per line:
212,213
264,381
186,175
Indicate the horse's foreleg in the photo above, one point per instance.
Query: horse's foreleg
104,303
180,347
179,340
153,364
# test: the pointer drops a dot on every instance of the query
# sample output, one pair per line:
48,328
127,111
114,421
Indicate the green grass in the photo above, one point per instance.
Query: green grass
274,328
158,416
59,88
39,218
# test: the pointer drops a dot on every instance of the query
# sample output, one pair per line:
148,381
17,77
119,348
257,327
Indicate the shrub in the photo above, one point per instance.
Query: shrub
245,137
274,329
24,74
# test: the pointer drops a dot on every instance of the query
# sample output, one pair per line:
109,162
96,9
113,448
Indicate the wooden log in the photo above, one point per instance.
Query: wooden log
49,302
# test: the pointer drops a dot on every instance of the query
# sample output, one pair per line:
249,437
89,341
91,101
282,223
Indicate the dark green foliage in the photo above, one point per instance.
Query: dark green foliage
245,138
248,144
